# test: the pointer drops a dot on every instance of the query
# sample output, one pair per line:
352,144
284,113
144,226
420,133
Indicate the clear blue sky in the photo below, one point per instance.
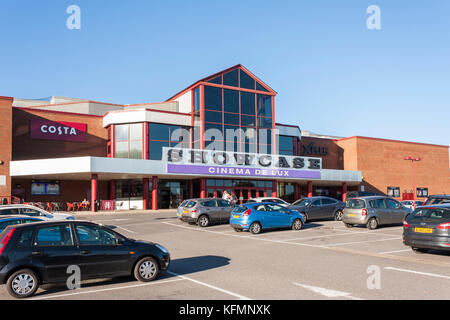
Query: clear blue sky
332,74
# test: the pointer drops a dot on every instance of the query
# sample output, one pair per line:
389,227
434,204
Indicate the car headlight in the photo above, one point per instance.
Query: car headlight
162,248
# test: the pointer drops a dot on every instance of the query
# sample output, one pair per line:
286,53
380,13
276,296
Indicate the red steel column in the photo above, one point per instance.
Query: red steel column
154,193
203,188
344,191
145,182
274,188
94,190
145,144
310,189
112,189
113,140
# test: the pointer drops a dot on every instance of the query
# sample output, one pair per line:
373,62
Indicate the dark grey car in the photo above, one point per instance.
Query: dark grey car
316,208
206,211
374,211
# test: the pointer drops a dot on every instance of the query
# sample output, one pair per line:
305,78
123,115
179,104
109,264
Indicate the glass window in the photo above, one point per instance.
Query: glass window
217,80
381,204
3,225
231,118
136,131
260,87
159,131
92,235
135,150
121,132
213,98
326,201
264,106
286,145
355,204
30,212
156,149
60,235
265,123
231,100
197,99
392,204
248,121
223,203
247,103
121,149
435,213
247,81
25,238
211,116
231,78
11,211
209,203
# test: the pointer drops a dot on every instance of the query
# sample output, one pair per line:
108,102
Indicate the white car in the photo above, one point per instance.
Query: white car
32,211
279,201
410,204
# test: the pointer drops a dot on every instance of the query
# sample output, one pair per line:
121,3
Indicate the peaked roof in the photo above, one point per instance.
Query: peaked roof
269,91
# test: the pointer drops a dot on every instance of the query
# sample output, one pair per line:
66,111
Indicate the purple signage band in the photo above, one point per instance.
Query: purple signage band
57,130
242,171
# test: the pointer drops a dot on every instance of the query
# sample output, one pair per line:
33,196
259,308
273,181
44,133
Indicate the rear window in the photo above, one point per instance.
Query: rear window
355,204
183,203
434,213
437,200
191,204
240,209
10,211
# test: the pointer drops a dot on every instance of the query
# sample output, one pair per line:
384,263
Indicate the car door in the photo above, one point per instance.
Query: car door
102,252
210,207
280,215
382,210
54,248
225,208
315,209
328,208
396,213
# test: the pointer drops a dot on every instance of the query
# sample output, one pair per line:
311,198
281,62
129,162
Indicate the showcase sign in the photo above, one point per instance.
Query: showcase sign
210,162
57,130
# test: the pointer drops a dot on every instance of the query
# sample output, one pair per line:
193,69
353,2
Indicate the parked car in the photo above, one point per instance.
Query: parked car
206,211
356,194
410,203
279,201
32,211
374,211
428,227
256,217
437,199
180,208
39,253
13,220
319,208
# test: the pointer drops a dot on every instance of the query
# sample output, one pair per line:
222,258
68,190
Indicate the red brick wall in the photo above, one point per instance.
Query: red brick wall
25,148
5,140
334,157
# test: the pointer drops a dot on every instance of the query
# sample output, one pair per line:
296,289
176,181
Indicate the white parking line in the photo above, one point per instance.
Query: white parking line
357,242
396,251
107,289
126,229
418,272
210,286
328,235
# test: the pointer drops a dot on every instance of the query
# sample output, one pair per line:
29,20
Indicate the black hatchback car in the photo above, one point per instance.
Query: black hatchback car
41,252
428,228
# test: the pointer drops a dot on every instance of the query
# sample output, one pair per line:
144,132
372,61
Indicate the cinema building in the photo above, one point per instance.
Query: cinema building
154,155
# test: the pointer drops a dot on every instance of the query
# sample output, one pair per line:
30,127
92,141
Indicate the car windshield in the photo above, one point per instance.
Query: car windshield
436,200
432,213
302,202
191,204
240,209
355,204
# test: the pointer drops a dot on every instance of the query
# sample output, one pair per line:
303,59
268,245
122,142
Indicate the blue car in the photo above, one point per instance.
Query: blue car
255,217
10,220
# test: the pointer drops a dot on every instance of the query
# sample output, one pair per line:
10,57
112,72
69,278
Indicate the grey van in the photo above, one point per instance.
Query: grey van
206,211
374,211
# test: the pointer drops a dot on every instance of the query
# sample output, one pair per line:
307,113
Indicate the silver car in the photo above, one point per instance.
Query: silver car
32,211
374,211
206,211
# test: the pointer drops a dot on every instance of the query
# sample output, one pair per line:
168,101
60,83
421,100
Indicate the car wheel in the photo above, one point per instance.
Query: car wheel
419,250
255,228
203,221
305,217
338,215
372,224
146,269
348,225
237,230
297,225
23,283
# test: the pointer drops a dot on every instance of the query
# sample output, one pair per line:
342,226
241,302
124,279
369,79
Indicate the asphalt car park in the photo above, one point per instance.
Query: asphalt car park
324,260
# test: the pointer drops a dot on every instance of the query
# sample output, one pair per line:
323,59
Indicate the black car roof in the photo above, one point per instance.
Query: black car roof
440,205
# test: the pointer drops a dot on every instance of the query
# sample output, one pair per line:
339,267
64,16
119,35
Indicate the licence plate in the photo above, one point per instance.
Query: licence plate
236,216
185,211
352,215
423,230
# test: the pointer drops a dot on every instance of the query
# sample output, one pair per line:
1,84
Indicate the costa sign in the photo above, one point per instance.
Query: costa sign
57,130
